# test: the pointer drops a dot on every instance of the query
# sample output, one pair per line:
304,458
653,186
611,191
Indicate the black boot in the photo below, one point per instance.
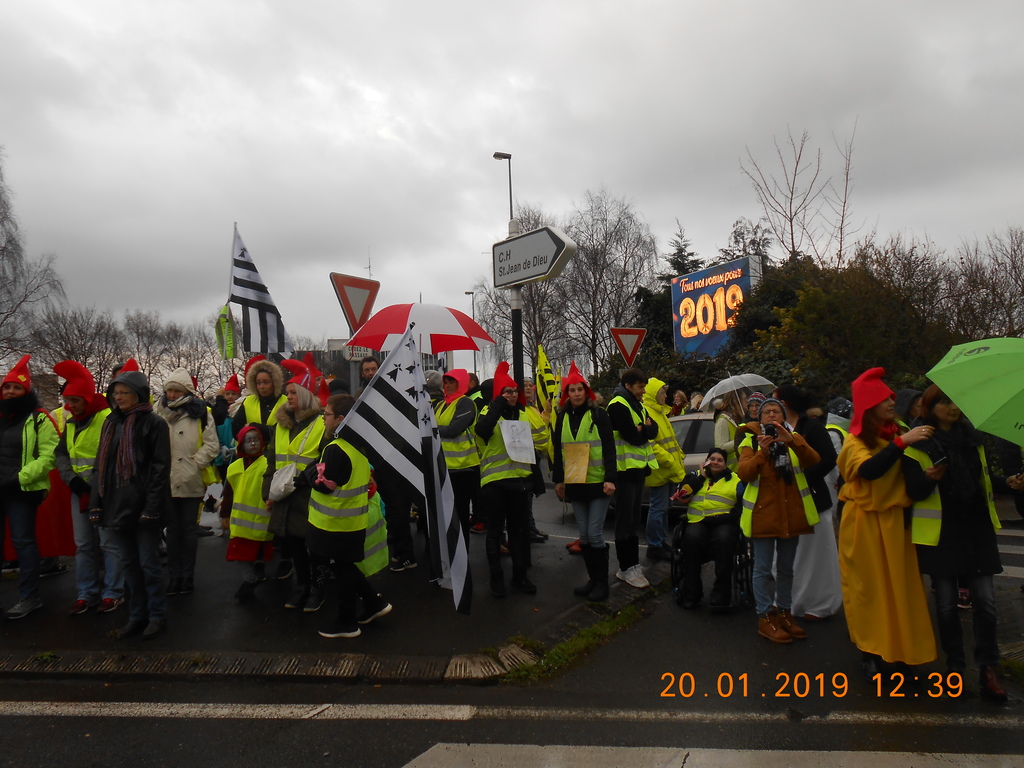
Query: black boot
519,549
588,560
498,582
599,575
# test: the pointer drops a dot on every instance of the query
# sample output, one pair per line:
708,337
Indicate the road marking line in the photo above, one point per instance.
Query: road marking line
462,713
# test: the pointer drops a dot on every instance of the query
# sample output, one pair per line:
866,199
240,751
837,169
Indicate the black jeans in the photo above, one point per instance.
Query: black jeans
507,504
628,506
951,636
182,537
719,536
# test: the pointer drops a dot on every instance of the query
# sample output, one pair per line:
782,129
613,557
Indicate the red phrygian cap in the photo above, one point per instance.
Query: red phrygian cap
19,374
503,381
300,374
81,383
131,364
574,377
251,360
231,385
868,391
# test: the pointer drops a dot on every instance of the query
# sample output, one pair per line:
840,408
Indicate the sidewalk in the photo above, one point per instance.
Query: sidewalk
212,635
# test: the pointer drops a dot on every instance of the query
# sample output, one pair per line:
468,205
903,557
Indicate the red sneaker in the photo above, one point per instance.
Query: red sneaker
79,606
110,604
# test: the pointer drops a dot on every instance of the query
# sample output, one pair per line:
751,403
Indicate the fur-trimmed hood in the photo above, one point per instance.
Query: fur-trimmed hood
276,375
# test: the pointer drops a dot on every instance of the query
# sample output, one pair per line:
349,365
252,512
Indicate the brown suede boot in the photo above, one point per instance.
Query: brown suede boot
768,627
785,620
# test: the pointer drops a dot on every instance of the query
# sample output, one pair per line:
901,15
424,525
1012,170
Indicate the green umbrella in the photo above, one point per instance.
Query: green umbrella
986,380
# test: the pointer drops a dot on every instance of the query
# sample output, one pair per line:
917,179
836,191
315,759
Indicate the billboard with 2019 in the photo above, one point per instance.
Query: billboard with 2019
705,303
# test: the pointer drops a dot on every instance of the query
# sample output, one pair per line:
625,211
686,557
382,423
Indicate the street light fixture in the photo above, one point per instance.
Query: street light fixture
507,156
472,310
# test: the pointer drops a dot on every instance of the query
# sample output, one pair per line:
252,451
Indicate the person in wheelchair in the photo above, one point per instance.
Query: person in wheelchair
713,513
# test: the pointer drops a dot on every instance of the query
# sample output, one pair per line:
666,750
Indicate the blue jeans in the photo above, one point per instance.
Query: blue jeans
19,510
590,520
783,551
139,554
657,514
983,610
93,550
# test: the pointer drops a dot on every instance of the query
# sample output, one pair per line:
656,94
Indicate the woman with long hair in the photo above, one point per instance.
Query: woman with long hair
295,444
731,411
886,606
954,524
584,475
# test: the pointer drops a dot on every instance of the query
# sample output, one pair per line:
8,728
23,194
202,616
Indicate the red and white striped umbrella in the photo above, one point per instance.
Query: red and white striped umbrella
435,329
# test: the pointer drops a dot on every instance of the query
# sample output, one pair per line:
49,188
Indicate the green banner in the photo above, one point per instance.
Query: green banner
225,330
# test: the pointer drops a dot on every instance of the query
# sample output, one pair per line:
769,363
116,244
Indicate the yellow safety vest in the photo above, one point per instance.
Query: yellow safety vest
38,440
84,445
539,430
627,455
251,405
460,451
495,463
301,451
750,494
375,548
665,441
719,499
347,507
926,520
249,516
587,434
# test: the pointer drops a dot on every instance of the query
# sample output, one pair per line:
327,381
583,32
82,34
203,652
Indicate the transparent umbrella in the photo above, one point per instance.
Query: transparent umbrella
735,383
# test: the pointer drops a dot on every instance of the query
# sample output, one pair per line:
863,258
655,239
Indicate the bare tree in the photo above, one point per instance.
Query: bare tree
25,284
986,293
87,335
617,255
145,339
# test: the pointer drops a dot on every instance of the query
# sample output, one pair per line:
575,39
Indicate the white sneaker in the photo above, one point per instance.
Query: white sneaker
634,576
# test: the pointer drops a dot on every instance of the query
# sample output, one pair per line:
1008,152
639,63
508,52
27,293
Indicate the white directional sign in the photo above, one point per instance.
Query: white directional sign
537,255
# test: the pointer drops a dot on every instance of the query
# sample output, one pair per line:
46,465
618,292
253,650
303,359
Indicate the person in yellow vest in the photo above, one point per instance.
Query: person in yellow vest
456,418
883,593
777,510
28,438
265,381
540,428
505,485
343,528
713,524
633,431
662,480
731,411
954,524
194,446
295,444
75,456
242,504
584,448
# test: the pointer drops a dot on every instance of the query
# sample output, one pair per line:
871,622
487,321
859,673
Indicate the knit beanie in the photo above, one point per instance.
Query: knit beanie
180,379
773,401
868,391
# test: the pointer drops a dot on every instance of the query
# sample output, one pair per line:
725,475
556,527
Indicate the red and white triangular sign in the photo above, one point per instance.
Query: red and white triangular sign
628,340
356,295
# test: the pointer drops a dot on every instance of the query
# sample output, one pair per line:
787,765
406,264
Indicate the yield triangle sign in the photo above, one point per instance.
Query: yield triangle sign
628,340
356,295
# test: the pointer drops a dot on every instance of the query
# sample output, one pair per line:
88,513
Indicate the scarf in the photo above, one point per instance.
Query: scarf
125,468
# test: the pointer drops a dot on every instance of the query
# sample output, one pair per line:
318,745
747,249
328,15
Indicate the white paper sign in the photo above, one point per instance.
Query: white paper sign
518,440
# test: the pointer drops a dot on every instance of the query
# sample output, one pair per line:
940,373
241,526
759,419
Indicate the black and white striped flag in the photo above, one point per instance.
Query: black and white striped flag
262,328
393,423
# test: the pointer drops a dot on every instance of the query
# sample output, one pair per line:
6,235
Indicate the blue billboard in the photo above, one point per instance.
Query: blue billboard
704,306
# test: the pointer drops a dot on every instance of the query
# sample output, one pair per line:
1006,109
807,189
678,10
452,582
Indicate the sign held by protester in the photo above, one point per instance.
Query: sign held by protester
705,303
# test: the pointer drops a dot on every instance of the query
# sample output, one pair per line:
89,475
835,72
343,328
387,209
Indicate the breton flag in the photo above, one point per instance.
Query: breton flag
393,423
262,328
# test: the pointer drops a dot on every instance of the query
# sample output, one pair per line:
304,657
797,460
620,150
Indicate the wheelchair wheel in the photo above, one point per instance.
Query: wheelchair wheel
676,560
743,575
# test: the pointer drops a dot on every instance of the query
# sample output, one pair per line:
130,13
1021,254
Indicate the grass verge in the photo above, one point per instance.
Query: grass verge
565,654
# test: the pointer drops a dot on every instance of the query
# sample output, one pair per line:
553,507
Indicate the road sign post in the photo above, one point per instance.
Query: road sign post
537,255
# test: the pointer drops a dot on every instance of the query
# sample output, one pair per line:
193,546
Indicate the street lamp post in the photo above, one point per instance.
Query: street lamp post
472,310
516,295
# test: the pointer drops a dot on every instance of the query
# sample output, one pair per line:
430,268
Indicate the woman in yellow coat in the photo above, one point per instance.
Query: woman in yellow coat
886,606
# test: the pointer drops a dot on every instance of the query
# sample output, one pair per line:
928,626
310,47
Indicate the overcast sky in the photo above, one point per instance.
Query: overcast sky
337,133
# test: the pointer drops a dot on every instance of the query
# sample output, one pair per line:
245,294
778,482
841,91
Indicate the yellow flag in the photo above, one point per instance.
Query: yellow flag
547,388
